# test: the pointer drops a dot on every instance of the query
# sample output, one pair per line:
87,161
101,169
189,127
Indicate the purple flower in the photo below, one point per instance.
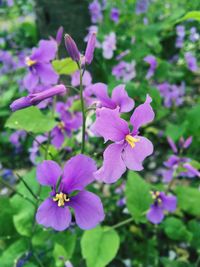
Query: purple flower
109,45
54,212
194,36
172,145
59,35
191,171
86,79
17,137
68,122
162,203
124,71
8,63
128,149
191,62
141,6
180,31
40,68
119,97
151,60
172,94
123,54
114,14
35,149
92,29
35,98
95,11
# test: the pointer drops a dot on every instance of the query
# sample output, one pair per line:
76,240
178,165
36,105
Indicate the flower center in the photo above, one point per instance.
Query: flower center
156,196
131,140
61,198
61,125
29,62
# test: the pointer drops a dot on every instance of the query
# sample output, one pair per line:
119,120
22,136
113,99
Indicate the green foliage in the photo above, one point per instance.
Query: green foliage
99,246
65,66
137,196
194,15
31,120
176,230
194,228
189,200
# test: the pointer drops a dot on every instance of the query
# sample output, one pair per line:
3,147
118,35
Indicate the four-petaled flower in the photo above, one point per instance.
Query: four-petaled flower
161,203
40,68
129,148
68,190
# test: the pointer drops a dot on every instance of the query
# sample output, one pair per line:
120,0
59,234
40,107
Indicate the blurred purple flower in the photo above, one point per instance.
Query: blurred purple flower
128,149
17,137
162,203
54,212
8,62
123,54
86,79
180,31
34,150
114,14
124,71
91,30
151,60
40,68
172,94
194,36
191,62
109,45
95,11
119,97
141,6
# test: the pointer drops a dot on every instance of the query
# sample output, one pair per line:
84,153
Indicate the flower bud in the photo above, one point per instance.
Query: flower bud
72,48
89,53
59,35
36,98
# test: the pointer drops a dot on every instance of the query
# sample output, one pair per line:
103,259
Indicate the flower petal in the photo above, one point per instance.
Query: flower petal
50,215
121,99
155,214
57,137
143,114
113,165
101,92
168,202
48,173
88,209
30,81
45,52
78,173
47,73
109,125
133,157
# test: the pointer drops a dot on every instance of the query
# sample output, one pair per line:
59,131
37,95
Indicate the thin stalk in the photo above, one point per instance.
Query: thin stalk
27,186
83,112
18,193
38,260
127,221
72,87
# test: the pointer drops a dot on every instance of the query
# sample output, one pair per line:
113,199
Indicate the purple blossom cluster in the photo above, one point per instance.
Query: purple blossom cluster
141,6
95,10
180,32
124,71
109,45
172,94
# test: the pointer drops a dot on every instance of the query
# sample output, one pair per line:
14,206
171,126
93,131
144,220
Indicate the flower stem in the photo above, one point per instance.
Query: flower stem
27,186
122,223
18,193
83,112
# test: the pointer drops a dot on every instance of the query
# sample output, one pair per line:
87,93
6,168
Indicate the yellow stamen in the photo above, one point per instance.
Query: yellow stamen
131,140
61,198
61,125
29,62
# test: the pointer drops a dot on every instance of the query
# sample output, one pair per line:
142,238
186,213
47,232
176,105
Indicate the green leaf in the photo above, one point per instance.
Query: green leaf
64,66
195,15
99,246
170,228
189,200
64,247
13,253
138,196
6,224
194,228
31,120
175,131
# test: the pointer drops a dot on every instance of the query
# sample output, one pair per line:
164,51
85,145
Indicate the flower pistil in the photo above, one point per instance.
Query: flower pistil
29,62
